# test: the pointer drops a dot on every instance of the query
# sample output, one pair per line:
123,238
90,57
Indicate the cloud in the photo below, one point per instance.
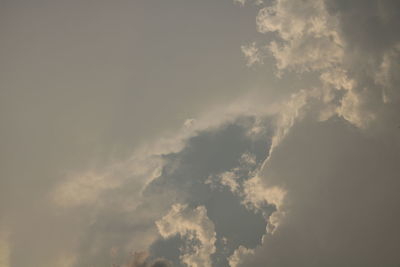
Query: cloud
243,2
141,259
127,205
237,257
257,195
229,179
83,189
340,185
309,40
201,175
196,228
323,37
4,249
307,177
332,156
161,263
212,170
297,183
252,54
86,188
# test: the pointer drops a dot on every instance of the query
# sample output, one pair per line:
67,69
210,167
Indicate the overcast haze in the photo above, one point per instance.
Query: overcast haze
201,133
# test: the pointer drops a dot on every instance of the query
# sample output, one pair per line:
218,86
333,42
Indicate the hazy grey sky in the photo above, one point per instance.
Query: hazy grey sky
199,133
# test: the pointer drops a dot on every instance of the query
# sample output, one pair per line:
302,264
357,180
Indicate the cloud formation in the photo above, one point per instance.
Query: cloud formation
252,54
320,36
141,259
302,171
197,230
336,161
191,202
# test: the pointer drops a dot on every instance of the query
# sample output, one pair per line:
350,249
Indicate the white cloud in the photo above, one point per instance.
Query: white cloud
289,113
252,54
337,41
196,227
248,160
312,39
257,195
229,179
238,255
387,75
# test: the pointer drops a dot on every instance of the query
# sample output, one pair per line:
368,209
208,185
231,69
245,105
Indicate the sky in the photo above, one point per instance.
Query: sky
199,133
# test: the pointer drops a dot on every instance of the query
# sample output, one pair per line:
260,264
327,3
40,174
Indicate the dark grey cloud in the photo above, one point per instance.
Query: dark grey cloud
342,199
239,145
338,162
367,25
161,263
210,153
141,259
